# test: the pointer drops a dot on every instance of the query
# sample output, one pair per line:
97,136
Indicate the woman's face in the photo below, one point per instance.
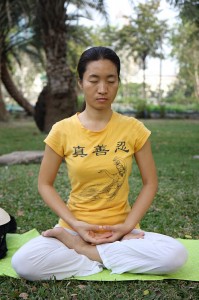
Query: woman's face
100,84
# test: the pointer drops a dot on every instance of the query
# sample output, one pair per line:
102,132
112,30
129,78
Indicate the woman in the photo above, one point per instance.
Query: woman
98,228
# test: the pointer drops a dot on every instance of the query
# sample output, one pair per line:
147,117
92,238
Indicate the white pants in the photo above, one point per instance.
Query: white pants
43,258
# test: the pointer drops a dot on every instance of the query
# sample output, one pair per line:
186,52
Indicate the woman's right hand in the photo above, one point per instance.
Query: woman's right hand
90,233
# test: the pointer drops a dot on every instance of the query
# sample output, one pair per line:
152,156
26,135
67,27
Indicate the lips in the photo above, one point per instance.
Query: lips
102,99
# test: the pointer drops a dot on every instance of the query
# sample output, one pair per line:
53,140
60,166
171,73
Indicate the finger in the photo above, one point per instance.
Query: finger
94,227
99,235
103,235
111,239
99,242
106,227
100,229
91,233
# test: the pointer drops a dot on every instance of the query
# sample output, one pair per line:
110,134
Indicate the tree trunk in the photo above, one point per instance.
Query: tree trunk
3,112
144,79
196,75
13,91
58,99
160,79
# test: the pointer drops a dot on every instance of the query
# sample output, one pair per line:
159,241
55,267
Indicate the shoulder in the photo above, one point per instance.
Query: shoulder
61,128
63,124
127,120
59,134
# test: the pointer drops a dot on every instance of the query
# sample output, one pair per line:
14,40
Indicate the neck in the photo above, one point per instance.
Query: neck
97,115
95,119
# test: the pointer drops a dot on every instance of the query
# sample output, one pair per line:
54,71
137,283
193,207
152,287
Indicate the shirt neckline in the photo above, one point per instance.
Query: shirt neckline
92,131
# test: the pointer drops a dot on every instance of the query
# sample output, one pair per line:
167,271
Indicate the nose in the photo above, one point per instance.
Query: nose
102,88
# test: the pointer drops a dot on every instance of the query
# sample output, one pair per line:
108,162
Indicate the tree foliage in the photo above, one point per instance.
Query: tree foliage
185,43
14,32
143,36
58,99
39,27
189,10
186,51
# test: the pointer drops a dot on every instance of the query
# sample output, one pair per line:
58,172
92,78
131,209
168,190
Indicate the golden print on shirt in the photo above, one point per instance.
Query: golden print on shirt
113,182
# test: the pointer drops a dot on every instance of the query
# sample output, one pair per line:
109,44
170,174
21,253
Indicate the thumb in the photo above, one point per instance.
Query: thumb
94,227
100,228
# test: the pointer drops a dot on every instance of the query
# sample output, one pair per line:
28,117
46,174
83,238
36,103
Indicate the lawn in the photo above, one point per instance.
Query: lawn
174,211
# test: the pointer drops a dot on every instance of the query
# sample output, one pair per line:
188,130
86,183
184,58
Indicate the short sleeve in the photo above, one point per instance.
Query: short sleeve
56,139
142,136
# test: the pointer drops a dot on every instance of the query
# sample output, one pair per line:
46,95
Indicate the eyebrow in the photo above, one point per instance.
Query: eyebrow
96,76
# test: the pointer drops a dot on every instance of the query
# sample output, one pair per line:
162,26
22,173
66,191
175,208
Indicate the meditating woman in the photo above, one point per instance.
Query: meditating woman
97,227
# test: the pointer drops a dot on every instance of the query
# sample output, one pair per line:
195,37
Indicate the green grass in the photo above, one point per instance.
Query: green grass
174,211
20,135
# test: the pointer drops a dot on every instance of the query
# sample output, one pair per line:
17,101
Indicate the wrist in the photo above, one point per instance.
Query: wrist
76,224
128,226
73,223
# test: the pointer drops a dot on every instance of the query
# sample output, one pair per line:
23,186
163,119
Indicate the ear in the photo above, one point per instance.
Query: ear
80,84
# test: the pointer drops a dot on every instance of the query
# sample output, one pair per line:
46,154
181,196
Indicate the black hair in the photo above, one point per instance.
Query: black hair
97,53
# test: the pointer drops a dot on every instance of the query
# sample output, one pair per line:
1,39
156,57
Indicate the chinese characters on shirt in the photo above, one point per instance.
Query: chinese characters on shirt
99,149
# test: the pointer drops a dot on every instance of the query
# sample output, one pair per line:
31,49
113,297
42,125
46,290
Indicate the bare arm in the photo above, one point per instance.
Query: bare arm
146,165
48,172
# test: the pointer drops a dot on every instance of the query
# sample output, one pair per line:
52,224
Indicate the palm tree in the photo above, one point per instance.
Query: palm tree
58,99
3,112
12,89
50,24
11,37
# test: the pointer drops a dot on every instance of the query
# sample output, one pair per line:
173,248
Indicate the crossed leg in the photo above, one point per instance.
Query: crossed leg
151,253
79,245
63,255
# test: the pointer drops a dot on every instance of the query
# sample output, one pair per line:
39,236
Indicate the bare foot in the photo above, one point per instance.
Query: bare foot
69,240
73,242
130,236
55,232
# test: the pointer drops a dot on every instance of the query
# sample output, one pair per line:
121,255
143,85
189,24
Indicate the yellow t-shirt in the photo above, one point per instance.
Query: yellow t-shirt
99,164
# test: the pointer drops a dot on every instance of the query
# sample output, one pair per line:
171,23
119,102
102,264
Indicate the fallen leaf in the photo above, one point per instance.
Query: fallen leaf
20,213
81,286
23,295
146,292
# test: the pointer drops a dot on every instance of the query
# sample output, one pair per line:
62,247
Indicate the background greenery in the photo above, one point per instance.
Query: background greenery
174,211
38,46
